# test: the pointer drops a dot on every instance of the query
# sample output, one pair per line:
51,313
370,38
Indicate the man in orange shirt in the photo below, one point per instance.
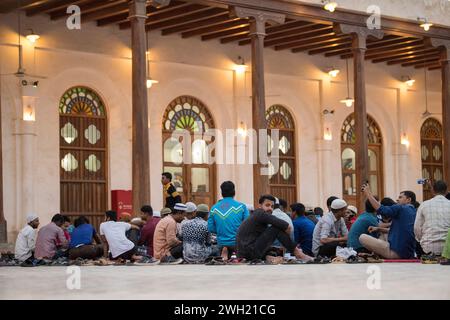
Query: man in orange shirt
166,246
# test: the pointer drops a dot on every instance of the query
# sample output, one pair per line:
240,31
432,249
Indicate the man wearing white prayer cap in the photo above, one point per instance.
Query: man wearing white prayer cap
331,230
26,239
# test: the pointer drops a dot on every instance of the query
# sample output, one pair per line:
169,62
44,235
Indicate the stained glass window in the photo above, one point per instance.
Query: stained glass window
431,152
81,100
187,113
279,118
348,130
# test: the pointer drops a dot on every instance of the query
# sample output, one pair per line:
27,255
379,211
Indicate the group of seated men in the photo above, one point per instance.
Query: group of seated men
193,234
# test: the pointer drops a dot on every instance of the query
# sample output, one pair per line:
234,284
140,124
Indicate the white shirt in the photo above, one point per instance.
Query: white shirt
25,243
328,227
432,224
114,233
283,216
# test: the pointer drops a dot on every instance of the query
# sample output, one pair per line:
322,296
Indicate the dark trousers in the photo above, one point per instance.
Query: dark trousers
328,250
177,251
133,235
264,243
91,251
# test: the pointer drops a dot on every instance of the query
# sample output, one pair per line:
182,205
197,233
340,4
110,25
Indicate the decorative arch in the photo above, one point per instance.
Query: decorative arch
431,135
283,182
194,180
375,148
83,154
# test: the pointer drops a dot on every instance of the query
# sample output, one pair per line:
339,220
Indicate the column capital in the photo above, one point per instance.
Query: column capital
138,9
444,45
359,34
259,17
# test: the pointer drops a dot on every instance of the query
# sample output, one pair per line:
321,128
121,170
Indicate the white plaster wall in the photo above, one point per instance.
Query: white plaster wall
100,58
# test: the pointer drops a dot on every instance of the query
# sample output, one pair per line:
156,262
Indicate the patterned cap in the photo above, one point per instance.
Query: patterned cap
190,207
180,207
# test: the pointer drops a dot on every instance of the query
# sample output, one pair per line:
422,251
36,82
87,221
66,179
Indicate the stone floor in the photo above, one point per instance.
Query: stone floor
397,281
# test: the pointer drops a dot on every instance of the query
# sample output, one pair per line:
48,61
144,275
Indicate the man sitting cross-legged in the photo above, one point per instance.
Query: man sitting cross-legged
331,230
26,240
166,246
51,242
255,236
401,242
361,226
81,241
114,239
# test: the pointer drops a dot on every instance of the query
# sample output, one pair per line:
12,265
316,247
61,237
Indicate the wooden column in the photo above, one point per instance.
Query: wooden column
359,36
140,142
444,45
258,20
3,229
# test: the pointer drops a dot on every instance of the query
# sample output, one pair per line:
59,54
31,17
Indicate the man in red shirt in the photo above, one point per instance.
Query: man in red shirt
148,229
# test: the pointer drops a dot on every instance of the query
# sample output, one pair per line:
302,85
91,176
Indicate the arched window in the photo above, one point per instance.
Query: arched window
195,181
375,143
83,154
431,152
283,182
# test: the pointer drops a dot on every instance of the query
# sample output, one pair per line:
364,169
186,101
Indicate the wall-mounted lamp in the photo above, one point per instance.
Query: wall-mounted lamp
242,129
333,72
404,140
151,82
329,5
240,66
28,108
327,135
32,37
409,82
424,23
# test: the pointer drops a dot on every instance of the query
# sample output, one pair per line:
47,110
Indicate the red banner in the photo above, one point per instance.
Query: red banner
121,202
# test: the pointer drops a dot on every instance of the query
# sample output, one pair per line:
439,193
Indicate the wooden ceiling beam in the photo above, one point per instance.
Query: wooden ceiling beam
378,54
436,67
314,30
393,48
339,52
10,5
403,54
429,65
421,62
96,9
173,13
50,6
331,48
387,42
326,40
236,37
233,23
197,25
414,58
179,20
227,32
284,33
302,40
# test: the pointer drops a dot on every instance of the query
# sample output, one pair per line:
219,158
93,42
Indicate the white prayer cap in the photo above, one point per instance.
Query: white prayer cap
156,214
180,207
137,219
353,209
277,201
250,207
338,204
31,217
190,207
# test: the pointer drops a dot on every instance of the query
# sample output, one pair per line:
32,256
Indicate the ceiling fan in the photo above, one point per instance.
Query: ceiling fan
21,72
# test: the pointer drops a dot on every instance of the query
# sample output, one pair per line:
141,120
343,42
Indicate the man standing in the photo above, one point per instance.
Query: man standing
51,239
196,237
148,230
303,228
26,239
166,246
225,218
170,192
401,242
257,233
331,230
433,221
114,239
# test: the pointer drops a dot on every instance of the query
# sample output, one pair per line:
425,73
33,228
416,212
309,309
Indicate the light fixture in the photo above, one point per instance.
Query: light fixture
348,101
409,82
327,135
242,129
329,5
32,37
333,72
240,67
404,140
28,109
424,23
150,81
